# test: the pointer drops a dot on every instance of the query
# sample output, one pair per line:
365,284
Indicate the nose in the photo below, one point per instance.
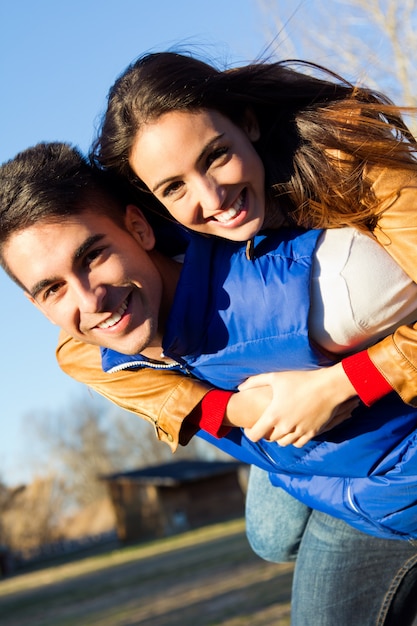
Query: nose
210,195
90,298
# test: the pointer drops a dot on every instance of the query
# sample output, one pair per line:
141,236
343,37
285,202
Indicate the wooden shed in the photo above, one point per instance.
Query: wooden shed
166,499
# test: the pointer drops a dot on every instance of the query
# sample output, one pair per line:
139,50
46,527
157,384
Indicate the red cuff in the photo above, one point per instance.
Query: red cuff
368,381
209,414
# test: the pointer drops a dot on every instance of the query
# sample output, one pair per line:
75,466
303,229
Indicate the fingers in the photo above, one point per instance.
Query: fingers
296,439
270,427
262,429
266,428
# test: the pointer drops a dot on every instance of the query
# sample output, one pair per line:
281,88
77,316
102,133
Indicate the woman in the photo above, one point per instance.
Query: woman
325,154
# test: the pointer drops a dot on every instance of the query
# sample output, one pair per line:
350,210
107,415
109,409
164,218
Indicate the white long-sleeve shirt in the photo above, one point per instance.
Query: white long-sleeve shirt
358,293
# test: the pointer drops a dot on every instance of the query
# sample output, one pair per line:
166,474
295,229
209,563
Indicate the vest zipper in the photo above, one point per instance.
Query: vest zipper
157,366
135,364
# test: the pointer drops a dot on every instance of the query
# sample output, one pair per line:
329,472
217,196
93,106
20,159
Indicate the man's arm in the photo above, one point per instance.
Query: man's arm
175,404
395,358
163,398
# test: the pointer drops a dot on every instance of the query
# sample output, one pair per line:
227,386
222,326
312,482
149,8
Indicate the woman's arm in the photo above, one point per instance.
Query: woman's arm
358,295
395,357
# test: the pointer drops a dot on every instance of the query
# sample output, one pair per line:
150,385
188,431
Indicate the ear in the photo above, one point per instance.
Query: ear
139,227
250,125
38,306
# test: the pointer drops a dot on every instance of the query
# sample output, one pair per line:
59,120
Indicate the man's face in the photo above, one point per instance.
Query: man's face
92,278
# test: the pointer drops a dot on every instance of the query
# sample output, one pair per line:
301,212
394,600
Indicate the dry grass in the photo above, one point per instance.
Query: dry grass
207,577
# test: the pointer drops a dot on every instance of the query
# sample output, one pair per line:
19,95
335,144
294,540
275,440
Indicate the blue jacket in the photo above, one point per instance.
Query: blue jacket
231,319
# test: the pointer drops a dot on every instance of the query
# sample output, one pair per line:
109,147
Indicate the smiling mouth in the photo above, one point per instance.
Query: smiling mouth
233,212
116,317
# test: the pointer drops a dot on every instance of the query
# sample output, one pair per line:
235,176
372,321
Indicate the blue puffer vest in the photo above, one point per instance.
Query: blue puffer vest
231,319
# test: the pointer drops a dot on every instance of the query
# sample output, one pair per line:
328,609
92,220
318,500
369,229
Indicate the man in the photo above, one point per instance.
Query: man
87,261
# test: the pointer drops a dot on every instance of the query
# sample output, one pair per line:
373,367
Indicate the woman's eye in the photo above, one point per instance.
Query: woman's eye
217,154
172,189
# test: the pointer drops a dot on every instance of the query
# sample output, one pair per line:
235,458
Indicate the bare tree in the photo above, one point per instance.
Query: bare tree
90,439
368,41
8,496
93,438
31,515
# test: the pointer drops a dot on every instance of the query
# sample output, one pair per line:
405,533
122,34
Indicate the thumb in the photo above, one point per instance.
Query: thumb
259,380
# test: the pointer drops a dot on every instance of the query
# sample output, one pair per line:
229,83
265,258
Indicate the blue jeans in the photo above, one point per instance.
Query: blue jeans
342,576
275,521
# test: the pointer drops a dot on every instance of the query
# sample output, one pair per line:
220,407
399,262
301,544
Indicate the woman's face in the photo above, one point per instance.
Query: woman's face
205,171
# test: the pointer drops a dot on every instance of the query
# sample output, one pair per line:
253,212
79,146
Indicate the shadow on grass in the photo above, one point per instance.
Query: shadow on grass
207,583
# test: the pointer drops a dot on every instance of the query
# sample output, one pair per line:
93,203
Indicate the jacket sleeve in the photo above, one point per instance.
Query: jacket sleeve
164,398
395,357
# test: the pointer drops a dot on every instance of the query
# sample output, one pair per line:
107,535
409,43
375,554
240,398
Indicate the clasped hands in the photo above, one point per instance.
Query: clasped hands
295,406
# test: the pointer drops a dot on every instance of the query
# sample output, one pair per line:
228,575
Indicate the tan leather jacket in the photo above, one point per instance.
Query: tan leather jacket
396,356
163,398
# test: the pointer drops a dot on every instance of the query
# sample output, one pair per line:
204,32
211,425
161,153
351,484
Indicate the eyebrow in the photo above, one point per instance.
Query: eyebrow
79,253
199,158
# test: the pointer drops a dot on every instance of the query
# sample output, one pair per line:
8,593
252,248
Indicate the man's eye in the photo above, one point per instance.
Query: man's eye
51,291
92,255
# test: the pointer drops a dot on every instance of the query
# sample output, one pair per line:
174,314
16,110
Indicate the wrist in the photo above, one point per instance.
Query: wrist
340,384
213,409
369,383
246,407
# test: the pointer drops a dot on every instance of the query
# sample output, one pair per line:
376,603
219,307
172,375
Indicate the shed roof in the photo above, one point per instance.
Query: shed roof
176,472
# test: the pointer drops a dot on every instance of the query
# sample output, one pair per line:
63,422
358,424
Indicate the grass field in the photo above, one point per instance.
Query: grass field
204,577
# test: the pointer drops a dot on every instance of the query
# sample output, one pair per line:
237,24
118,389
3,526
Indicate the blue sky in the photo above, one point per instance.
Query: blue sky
57,61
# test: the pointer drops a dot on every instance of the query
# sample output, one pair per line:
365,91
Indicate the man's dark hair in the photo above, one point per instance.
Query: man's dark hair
50,182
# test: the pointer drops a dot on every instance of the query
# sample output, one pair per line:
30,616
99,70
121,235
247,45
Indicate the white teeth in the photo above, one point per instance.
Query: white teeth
226,216
116,317
231,213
